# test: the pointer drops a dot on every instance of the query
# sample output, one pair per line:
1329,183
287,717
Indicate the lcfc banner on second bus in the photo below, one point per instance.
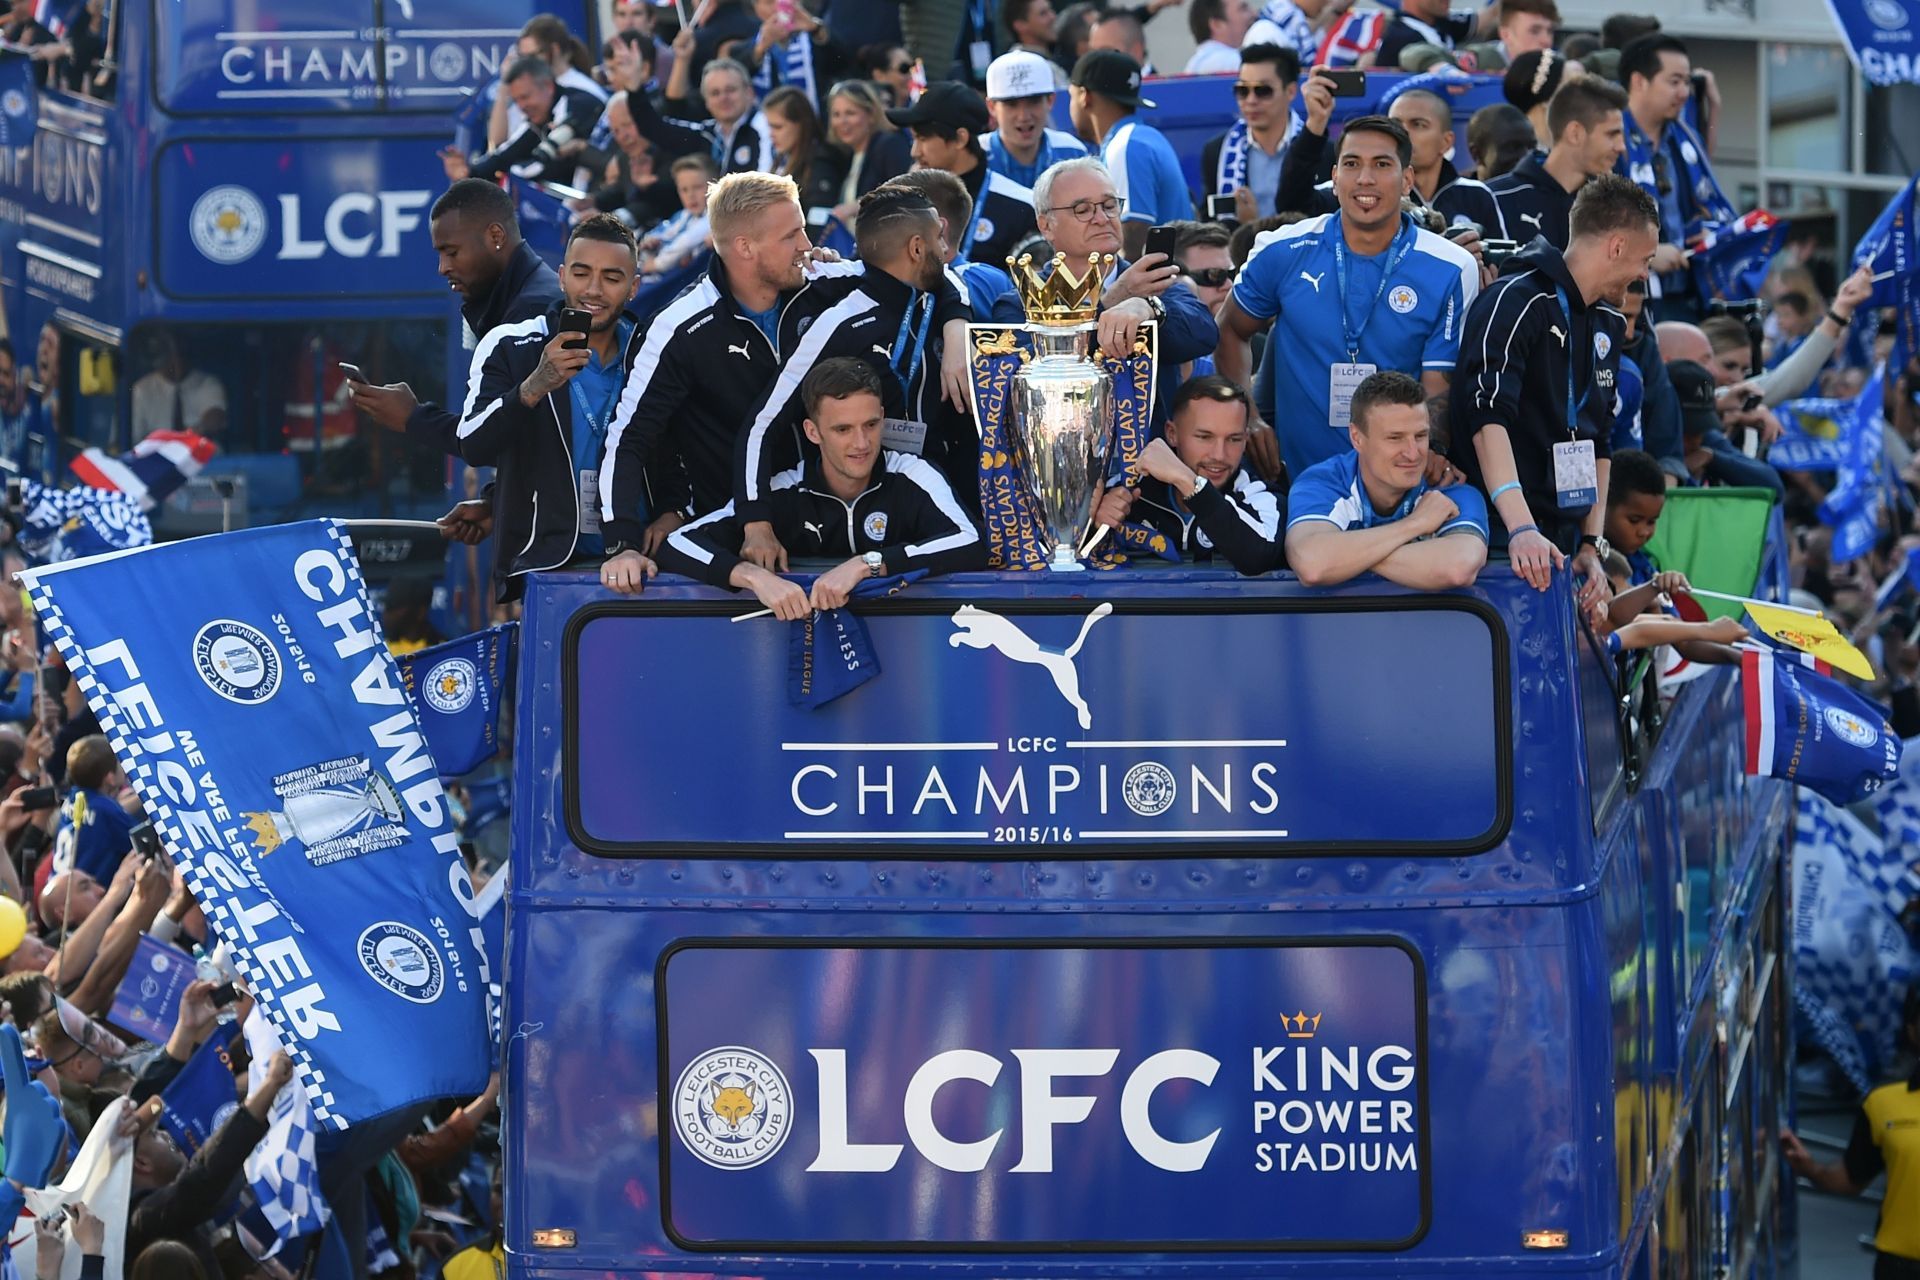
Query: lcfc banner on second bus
1122,1096
1270,729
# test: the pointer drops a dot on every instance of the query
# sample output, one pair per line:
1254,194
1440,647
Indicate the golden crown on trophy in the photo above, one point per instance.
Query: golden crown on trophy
1062,299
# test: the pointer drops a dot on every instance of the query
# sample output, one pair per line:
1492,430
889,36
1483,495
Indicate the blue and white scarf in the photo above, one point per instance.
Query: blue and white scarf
796,68
1701,190
1231,172
1295,26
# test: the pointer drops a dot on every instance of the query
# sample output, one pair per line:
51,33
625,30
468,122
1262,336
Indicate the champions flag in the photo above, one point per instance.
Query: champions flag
1879,35
829,653
456,689
19,101
1852,958
199,1099
246,689
1813,730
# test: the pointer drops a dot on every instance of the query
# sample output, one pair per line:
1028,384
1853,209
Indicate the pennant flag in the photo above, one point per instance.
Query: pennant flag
1813,730
1891,247
830,654
1810,633
101,1177
147,1003
19,101
1731,258
200,1098
1879,38
1853,507
246,689
1851,955
282,1168
456,690
153,469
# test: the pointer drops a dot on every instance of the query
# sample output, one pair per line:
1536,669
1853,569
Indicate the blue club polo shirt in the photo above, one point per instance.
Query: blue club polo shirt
1291,278
1146,173
1332,492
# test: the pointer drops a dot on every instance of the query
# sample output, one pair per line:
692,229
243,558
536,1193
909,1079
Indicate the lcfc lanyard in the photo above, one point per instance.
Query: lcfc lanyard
1573,406
596,422
1402,245
914,354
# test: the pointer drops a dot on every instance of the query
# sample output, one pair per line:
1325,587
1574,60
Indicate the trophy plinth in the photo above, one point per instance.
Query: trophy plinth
1062,402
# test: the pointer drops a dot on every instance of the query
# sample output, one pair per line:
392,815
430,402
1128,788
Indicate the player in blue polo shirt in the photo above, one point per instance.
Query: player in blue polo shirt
1348,294
1371,510
1104,94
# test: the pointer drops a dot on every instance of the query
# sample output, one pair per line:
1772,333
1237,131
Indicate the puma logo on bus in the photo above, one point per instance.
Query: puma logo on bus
740,351
982,630
1314,280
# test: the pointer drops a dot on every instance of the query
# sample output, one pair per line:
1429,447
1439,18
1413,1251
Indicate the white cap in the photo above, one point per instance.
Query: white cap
1019,74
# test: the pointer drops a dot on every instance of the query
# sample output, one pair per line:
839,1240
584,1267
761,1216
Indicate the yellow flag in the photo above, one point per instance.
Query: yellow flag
1811,633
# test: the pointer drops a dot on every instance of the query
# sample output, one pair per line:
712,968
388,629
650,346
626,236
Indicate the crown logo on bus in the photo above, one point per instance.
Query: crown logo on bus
1300,1026
1062,299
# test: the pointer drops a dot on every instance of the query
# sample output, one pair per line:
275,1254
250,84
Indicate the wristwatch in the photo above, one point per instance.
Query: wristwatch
1158,308
1199,483
615,548
1598,543
875,565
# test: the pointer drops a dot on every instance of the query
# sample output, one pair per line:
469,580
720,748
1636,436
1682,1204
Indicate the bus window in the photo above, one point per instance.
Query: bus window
274,399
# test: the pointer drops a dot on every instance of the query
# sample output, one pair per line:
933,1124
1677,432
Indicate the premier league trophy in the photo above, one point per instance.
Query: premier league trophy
1058,419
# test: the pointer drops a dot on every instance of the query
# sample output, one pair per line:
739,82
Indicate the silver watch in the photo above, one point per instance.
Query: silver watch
875,564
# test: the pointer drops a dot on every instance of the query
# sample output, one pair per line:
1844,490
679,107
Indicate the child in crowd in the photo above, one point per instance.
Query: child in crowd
673,243
1638,618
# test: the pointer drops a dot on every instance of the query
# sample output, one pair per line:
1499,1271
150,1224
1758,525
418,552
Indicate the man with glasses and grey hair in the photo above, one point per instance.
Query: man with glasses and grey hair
1080,214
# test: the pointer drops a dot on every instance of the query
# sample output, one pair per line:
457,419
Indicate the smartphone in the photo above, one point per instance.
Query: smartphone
1221,209
354,373
38,799
574,320
1161,240
223,995
1346,83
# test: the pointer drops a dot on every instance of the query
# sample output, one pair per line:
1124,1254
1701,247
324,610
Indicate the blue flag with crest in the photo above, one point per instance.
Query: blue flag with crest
246,689
1811,729
19,101
1879,35
1891,247
456,689
1853,507
829,653
1731,258
198,1099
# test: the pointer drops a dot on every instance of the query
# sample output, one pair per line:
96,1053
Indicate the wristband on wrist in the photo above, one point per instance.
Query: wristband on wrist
1508,487
1525,528
1838,322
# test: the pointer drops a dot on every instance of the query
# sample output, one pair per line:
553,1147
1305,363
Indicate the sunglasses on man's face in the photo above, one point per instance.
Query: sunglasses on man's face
1261,91
903,68
1209,277
1662,174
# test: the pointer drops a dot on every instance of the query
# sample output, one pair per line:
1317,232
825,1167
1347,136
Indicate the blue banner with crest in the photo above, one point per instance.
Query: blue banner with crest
457,690
247,691
1882,37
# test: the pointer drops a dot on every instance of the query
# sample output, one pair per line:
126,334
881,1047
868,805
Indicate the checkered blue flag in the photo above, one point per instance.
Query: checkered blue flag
282,1170
1852,957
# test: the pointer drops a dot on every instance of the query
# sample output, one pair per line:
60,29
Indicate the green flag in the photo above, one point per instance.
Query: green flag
1716,537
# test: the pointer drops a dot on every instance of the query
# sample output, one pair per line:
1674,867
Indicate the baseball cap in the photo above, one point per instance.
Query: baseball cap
1019,73
1693,383
1111,74
945,102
